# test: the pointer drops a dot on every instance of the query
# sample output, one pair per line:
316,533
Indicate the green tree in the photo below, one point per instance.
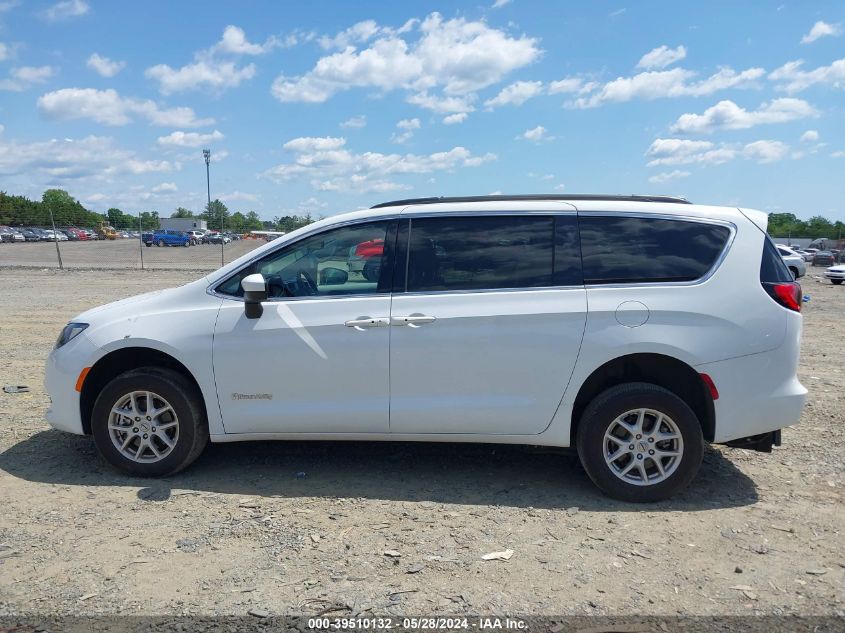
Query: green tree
182,212
288,223
216,214
236,222
253,222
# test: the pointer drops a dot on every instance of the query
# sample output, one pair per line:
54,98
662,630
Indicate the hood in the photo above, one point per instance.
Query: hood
128,307
839,268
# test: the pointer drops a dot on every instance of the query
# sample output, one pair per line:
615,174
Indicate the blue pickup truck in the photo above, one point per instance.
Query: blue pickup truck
166,237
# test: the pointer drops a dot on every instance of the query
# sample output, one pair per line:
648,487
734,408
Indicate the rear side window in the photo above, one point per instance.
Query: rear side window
479,253
645,250
772,267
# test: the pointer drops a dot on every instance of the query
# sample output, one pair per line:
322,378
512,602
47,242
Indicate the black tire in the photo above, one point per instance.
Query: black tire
836,282
794,272
601,413
187,404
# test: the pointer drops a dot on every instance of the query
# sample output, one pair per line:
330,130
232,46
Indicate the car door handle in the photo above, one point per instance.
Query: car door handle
413,320
365,323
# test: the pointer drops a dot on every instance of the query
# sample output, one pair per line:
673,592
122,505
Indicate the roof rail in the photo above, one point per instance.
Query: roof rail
534,196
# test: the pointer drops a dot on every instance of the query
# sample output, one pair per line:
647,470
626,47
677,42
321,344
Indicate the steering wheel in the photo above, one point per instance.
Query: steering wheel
309,282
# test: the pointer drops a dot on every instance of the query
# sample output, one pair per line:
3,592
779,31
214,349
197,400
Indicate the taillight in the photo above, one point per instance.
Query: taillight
708,381
788,294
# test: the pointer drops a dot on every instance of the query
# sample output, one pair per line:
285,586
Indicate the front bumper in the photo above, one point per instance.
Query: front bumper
834,274
62,371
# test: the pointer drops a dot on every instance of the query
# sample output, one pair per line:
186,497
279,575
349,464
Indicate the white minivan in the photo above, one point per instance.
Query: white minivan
633,328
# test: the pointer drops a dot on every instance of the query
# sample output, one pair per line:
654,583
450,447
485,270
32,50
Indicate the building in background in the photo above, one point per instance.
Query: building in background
183,224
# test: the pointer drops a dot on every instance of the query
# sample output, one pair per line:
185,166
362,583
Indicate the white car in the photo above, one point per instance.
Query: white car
794,261
836,274
632,328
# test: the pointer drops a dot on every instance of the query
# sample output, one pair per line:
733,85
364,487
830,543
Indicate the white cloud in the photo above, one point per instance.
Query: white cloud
515,94
236,196
2,128
355,122
536,135
165,187
408,126
726,115
355,34
4,52
821,29
65,9
571,84
23,77
766,151
207,73
792,79
673,151
810,136
330,166
661,57
235,42
443,105
498,4
839,154
676,82
109,108
104,66
667,176
74,159
457,56
454,119
189,139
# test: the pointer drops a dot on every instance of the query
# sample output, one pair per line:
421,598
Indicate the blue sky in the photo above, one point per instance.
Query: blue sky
331,106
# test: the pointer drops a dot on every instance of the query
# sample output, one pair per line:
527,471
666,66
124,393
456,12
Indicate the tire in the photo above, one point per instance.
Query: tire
836,282
602,416
148,244
794,272
189,434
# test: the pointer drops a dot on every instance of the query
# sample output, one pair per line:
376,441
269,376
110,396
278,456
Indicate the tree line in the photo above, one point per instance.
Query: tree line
787,225
67,211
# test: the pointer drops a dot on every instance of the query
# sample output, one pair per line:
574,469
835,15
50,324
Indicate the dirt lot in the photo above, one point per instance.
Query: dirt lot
122,253
300,528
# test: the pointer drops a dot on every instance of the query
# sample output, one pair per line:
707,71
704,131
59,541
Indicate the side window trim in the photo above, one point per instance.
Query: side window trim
663,216
551,214
391,221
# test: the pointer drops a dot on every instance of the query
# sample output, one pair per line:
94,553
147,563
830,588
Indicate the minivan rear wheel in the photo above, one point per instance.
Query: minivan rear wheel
640,442
149,422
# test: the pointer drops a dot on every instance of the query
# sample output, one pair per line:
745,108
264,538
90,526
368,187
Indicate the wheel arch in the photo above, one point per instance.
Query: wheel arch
119,361
659,369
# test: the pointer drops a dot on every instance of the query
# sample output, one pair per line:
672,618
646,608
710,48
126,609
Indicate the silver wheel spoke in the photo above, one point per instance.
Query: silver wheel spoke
123,423
620,440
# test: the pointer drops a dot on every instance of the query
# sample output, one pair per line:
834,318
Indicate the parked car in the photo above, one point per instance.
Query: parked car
30,235
10,235
836,274
218,238
365,258
808,254
196,236
167,237
824,258
70,236
793,261
54,236
509,319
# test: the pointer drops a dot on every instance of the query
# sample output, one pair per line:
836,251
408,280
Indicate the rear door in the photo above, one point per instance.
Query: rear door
486,323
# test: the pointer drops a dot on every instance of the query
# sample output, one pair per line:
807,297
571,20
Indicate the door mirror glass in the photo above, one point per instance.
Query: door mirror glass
333,277
255,291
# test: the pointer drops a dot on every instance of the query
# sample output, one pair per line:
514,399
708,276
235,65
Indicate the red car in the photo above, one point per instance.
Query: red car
365,258
82,235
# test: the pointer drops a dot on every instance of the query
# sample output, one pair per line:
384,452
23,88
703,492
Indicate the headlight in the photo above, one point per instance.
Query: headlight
69,332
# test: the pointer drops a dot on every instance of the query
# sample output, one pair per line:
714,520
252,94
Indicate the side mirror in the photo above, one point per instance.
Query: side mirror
255,291
333,277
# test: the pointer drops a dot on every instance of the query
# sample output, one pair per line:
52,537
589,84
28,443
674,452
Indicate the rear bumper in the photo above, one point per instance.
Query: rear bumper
759,393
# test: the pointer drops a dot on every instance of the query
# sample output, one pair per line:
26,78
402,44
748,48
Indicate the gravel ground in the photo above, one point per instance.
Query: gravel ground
301,528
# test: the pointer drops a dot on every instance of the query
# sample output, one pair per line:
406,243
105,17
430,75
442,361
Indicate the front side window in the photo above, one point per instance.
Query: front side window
346,260
618,249
481,252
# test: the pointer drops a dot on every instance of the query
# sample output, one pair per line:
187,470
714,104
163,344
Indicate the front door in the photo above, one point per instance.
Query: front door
485,339
317,360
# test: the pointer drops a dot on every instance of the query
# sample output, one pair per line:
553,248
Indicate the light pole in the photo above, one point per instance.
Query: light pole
206,154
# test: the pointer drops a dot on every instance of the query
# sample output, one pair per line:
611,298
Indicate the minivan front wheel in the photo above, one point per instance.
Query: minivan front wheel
640,442
149,422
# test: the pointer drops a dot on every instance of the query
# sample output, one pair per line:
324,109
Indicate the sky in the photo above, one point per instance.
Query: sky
330,106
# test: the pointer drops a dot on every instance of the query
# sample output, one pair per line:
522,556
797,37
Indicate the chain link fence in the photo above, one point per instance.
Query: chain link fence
103,247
